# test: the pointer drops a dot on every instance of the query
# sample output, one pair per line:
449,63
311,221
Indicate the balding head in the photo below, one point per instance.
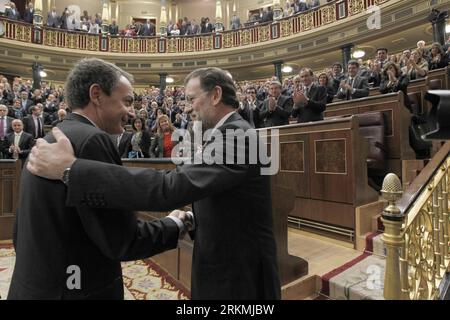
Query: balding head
17,125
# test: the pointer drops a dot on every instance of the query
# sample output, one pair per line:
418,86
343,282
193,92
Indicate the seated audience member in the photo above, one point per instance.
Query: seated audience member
276,109
406,55
162,144
309,99
20,142
393,81
16,111
250,107
374,74
438,59
28,16
62,114
12,12
416,67
123,142
140,141
113,28
324,81
354,86
337,75
5,129
34,124
53,20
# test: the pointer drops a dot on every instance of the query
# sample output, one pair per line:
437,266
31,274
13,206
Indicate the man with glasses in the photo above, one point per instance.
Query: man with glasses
234,254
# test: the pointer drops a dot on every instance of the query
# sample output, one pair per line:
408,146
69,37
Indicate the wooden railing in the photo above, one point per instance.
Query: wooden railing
10,172
286,27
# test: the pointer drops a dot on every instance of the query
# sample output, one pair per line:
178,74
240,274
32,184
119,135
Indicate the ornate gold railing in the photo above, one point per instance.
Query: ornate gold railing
312,19
418,243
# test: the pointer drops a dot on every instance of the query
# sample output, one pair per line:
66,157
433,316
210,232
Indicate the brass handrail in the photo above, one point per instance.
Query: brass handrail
420,256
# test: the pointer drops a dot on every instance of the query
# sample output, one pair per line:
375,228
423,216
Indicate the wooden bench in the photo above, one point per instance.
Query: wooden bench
10,172
323,163
398,119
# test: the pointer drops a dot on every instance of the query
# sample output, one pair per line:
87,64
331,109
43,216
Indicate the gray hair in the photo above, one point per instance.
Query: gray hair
88,72
212,77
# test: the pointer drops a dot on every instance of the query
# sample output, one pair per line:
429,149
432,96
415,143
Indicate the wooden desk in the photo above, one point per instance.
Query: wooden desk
398,119
10,172
324,165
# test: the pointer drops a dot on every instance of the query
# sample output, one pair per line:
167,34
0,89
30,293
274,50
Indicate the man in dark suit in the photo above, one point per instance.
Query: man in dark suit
234,249
354,87
74,252
12,12
250,108
113,28
25,102
310,100
34,124
148,29
53,20
19,142
5,129
276,109
28,16
123,142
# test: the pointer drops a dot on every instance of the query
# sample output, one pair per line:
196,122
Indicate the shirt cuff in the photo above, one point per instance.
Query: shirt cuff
179,223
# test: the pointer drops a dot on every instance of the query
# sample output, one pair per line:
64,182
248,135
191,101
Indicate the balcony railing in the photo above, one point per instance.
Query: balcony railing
286,27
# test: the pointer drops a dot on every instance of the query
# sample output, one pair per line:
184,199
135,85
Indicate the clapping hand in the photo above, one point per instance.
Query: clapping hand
299,96
272,103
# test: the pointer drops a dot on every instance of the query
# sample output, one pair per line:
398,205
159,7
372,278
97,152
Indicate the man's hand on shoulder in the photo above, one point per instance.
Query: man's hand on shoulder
49,160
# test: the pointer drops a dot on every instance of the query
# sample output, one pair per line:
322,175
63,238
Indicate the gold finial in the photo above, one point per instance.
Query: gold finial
392,191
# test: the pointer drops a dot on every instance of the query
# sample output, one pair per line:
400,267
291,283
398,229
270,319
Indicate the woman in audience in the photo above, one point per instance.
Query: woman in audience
416,66
324,81
162,145
393,81
154,117
437,59
140,141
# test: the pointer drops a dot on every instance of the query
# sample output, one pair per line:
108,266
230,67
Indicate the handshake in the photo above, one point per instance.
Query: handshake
186,217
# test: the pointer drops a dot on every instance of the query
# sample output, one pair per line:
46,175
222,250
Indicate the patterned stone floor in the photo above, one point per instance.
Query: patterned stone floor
143,280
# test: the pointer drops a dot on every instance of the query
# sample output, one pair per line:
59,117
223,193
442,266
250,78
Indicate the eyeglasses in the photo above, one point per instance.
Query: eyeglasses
190,99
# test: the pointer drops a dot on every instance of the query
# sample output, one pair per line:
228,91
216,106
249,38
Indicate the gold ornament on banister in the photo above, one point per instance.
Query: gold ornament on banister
425,256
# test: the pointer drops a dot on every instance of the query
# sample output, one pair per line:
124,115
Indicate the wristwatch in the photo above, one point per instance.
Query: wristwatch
65,176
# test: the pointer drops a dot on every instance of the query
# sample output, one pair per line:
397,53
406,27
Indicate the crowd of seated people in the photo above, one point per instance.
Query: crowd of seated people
300,98
68,20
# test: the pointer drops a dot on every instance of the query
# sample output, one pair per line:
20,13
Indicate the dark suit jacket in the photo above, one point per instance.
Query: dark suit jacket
29,126
234,249
313,110
28,16
280,116
124,144
9,121
26,142
53,22
361,87
12,15
147,30
250,115
51,236
401,85
113,30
